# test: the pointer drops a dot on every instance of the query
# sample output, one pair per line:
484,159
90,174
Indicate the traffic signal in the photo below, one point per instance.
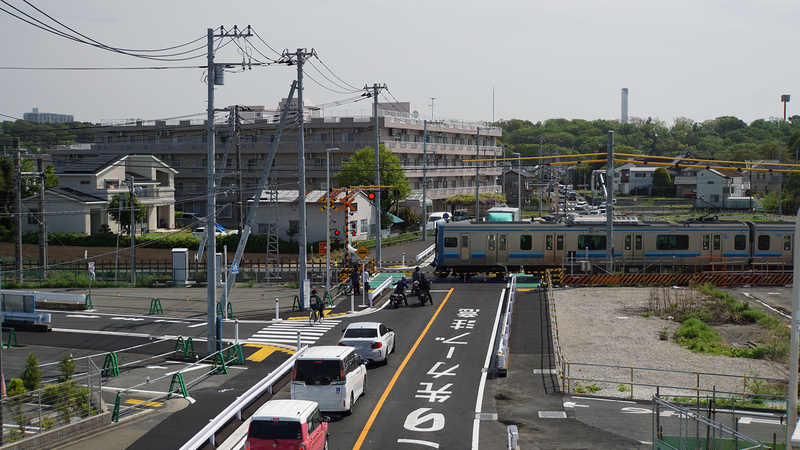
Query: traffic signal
371,196
334,232
384,194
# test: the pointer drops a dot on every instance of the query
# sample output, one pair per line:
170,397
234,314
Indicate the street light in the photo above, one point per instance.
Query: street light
519,180
328,225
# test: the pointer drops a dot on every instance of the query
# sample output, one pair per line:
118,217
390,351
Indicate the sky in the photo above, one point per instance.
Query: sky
460,60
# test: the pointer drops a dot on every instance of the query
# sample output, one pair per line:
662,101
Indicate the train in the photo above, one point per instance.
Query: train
471,248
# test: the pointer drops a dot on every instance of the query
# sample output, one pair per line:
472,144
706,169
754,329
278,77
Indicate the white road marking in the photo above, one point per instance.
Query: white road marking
83,316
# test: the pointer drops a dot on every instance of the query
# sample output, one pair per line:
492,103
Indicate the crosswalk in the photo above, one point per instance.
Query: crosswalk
285,333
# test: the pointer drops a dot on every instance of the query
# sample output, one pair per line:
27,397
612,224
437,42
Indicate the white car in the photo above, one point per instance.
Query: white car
372,340
200,231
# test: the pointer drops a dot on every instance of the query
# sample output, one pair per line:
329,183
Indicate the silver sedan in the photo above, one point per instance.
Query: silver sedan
372,340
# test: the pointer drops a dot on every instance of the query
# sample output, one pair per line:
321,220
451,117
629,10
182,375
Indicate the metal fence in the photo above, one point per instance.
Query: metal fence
676,427
52,407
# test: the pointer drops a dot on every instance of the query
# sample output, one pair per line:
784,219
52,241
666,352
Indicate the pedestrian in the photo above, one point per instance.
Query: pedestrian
355,281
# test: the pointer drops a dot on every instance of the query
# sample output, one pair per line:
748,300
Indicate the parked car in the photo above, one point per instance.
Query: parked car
285,424
460,215
200,231
442,216
189,218
330,375
372,340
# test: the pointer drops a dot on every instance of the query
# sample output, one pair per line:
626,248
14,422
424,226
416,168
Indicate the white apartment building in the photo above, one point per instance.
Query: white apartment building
183,145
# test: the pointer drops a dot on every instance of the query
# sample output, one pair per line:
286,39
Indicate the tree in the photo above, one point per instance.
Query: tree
67,367
32,375
661,178
360,171
123,216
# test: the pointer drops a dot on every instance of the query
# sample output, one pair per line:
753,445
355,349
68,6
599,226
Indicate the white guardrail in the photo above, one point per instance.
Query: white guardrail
425,253
378,290
502,351
235,408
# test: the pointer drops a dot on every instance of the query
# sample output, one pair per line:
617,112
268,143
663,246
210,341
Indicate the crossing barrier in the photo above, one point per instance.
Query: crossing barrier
679,279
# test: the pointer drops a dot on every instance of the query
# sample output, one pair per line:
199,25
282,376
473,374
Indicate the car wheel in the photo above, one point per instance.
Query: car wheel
326,445
394,344
352,402
386,359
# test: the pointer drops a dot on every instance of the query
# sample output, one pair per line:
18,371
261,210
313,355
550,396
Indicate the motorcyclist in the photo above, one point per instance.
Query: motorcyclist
401,289
425,285
414,278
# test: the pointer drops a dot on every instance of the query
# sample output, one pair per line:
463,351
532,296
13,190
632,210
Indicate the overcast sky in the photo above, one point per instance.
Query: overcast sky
486,61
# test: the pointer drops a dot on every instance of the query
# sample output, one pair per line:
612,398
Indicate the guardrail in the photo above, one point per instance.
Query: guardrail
425,252
502,352
560,360
379,290
235,408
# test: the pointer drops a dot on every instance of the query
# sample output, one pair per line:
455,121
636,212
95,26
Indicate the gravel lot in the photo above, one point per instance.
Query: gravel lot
605,326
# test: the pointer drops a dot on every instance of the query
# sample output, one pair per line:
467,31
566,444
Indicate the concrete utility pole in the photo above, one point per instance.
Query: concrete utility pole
42,223
793,350
610,203
424,180
211,212
301,54
377,207
133,236
237,141
478,176
17,210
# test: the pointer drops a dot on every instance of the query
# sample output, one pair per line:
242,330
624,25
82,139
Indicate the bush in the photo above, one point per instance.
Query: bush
32,375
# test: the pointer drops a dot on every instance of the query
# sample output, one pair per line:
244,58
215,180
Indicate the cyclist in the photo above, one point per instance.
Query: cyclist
317,305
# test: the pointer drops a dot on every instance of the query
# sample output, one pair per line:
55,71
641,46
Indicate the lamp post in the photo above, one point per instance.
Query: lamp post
519,180
328,213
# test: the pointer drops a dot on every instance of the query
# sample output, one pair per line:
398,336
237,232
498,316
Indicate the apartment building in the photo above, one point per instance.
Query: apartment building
442,160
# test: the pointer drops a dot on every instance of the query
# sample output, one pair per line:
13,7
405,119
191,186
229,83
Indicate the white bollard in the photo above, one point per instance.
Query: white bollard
236,331
352,303
404,259
277,309
298,341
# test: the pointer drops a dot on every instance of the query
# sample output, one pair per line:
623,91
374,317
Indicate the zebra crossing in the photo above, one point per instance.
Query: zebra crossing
285,333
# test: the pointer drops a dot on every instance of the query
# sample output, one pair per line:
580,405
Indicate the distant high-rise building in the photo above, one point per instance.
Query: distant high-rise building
624,118
38,117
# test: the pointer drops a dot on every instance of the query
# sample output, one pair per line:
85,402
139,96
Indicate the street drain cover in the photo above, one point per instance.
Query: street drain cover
552,415
486,416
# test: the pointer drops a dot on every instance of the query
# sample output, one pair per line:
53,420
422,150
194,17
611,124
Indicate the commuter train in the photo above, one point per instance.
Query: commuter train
469,248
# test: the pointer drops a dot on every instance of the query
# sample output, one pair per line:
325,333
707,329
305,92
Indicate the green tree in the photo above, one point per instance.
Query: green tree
661,178
32,375
360,171
123,216
67,367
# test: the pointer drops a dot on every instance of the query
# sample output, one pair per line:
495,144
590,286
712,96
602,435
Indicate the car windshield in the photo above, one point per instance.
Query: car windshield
361,333
311,371
274,429
434,218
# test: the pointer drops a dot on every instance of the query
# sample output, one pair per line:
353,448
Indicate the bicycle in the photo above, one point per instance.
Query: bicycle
315,317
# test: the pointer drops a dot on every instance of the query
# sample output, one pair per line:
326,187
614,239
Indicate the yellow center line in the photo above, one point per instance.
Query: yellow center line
388,390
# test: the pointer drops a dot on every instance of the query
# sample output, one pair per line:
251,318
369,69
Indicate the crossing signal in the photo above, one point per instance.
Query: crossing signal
371,196
384,194
354,232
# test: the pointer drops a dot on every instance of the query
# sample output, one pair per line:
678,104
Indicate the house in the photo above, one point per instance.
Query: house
716,186
358,219
512,175
80,202
763,182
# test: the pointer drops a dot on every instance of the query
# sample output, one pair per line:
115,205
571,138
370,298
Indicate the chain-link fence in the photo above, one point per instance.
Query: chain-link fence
51,407
676,427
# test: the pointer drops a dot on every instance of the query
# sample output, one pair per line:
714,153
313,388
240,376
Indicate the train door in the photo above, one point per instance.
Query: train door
632,245
491,248
464,249
549,248
502,248
558,252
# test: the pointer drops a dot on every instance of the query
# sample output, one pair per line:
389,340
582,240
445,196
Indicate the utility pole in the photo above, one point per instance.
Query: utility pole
17,210
375,90
610,204
425,180
237,141
133,236
42,224
301,168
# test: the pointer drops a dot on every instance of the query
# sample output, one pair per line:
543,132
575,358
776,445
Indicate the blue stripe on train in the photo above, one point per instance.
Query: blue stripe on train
667,253
525,255
769,254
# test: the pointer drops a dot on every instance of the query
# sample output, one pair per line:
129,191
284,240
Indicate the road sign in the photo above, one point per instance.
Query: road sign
234,267
362,251
348,204
91,267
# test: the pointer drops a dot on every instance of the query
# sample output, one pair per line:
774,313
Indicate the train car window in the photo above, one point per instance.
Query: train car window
706,242
491,242
638,242
716,242
464,241
549,241
627,242
560,242
591,242
787,242
672,242
740,242
451,242
763,242
525,242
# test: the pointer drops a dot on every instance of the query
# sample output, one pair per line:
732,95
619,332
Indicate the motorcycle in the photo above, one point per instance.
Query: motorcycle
396,299
415,288
424,296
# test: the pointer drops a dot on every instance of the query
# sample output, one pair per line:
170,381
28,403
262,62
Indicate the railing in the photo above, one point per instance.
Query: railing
236,408
505,333
426,252
559,356
379,289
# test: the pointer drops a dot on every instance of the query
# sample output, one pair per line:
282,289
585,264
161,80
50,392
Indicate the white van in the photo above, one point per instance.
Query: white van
442,216
333,376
